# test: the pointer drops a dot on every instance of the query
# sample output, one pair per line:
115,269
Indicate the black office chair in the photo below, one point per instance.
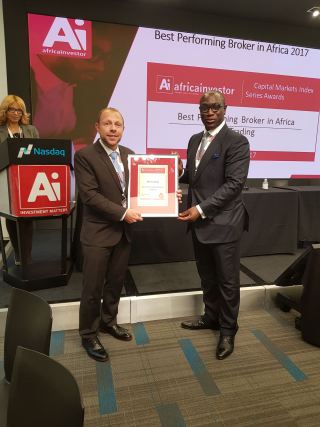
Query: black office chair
43,393
29,322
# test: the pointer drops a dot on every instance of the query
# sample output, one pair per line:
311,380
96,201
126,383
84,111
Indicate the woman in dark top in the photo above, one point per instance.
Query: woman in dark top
14,123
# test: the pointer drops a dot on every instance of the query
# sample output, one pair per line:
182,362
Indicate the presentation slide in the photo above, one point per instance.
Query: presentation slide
272,91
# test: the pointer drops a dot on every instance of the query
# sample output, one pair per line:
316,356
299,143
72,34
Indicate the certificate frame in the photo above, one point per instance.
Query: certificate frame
153,183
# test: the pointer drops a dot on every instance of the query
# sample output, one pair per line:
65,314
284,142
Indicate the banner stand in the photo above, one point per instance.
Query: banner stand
37,182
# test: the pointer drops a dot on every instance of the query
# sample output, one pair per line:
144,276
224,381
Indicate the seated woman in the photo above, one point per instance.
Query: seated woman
14,123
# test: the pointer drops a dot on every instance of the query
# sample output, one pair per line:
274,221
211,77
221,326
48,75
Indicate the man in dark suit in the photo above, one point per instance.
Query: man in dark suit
101,171
216,171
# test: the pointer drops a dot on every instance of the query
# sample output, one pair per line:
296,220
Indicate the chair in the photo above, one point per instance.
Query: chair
29,322
43,393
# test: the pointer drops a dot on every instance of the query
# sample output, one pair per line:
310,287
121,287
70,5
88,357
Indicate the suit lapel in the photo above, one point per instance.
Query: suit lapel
25,131
193,152
3,133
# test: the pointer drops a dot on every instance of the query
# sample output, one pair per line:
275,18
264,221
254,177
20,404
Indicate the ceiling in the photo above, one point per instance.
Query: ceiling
293,12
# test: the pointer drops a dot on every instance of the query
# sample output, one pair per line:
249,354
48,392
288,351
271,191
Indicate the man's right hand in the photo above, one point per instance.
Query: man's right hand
132,216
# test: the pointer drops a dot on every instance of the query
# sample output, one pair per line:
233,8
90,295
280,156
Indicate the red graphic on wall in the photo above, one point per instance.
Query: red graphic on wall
58,36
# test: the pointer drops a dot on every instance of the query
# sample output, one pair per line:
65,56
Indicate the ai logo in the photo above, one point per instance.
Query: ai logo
165,84
62,31
43,187
57,36
24,150
39,190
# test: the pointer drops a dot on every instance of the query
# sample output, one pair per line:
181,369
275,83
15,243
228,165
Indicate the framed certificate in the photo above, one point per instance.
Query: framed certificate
153,184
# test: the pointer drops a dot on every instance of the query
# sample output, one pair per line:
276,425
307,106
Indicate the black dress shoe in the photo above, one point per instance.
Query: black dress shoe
117,332
95,349
225,346
199,324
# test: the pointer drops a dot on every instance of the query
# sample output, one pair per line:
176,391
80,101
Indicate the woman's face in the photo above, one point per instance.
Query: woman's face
14,113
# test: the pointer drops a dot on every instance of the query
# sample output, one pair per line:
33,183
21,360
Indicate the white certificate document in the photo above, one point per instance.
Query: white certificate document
152,185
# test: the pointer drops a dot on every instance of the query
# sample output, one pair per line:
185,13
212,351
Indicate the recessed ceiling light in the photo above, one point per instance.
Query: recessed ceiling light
315,11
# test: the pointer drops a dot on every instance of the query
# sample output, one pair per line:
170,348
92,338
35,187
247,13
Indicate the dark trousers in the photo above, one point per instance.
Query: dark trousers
219,269
104,272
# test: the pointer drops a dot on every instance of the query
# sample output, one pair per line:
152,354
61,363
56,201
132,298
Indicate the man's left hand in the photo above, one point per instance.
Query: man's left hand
190,215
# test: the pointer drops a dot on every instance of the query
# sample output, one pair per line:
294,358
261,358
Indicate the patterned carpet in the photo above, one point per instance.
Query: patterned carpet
168,376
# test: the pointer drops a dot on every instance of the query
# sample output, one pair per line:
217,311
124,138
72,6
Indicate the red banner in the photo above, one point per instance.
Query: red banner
185,84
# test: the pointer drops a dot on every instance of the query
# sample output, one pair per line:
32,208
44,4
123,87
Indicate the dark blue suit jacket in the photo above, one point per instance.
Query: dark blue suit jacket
217,185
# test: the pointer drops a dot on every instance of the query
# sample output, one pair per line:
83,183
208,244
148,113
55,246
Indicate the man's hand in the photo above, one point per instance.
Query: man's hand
190,215
179,195
132,216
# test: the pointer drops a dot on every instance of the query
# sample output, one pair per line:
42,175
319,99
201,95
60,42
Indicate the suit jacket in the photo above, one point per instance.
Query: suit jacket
217,184
101,194
29,131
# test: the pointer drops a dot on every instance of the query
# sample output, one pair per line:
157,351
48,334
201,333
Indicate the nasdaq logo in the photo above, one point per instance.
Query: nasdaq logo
49,152
37,151
25,151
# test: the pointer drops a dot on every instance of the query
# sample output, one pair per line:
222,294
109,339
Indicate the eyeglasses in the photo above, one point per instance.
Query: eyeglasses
15,110
205,108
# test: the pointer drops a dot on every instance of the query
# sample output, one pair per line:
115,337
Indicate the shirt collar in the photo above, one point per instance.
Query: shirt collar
215,131
108,150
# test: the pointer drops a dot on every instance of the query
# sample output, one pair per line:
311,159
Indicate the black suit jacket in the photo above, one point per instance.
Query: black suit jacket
101,194
217,184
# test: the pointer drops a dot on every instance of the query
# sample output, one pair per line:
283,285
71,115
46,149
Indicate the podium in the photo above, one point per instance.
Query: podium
310,299
305,300
37,184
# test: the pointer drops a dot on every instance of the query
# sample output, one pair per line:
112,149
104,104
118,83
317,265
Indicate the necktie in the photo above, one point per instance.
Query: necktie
206,139
114,159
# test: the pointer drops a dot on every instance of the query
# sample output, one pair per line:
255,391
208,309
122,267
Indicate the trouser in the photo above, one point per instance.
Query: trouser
219,269
104,272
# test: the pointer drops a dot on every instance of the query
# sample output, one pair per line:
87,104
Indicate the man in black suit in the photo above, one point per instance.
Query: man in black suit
102,176
216,171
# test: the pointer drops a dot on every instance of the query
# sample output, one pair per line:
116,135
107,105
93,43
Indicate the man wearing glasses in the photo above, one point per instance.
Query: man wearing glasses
216,170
